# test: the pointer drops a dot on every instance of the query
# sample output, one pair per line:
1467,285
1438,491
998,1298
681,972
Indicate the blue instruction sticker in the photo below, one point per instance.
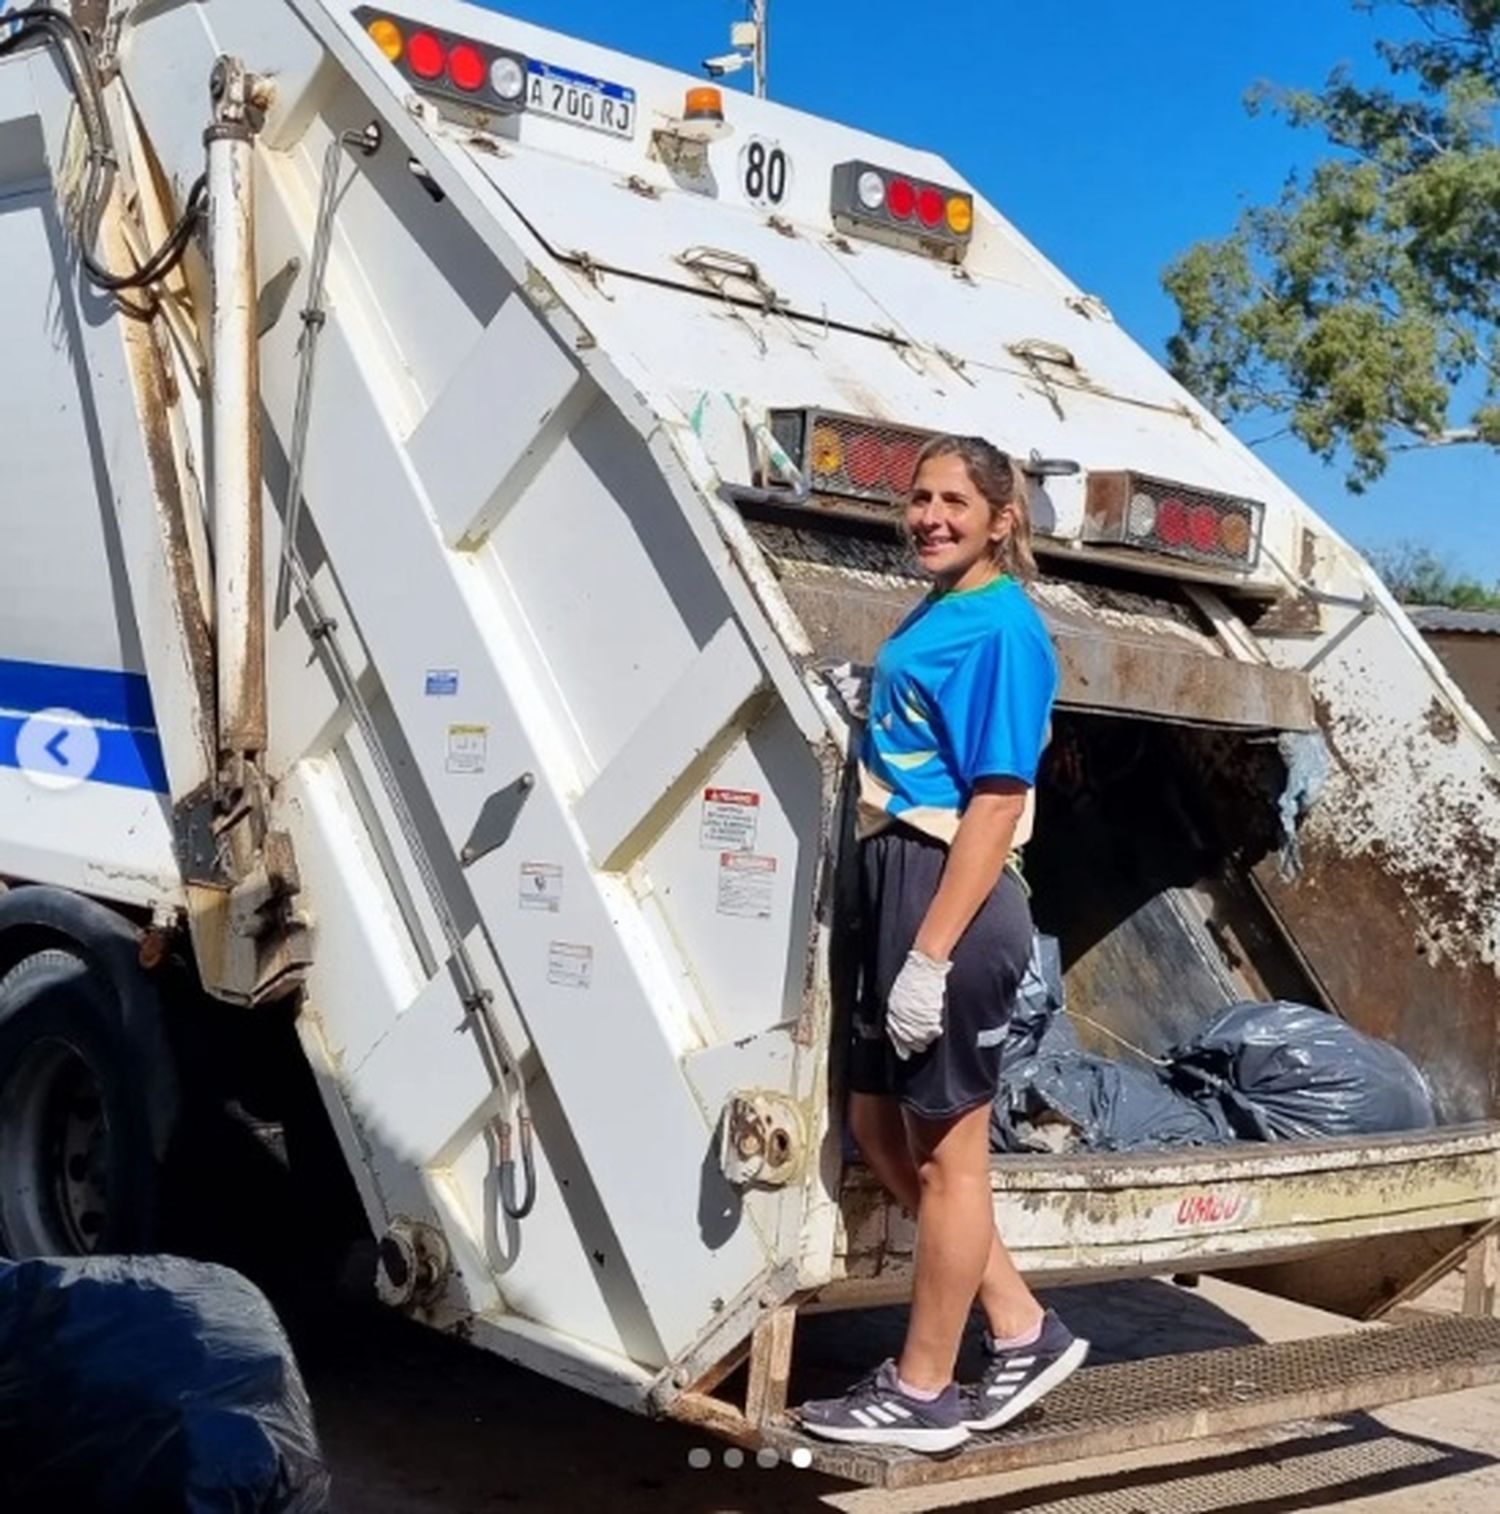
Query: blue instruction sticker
442,682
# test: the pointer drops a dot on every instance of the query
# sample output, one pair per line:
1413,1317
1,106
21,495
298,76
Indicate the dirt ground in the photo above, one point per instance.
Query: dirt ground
416,1424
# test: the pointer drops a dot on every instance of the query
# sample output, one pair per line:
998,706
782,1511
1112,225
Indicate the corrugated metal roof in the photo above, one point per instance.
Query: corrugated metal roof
1440,618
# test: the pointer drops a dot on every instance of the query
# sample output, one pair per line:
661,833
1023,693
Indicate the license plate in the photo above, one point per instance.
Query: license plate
581,100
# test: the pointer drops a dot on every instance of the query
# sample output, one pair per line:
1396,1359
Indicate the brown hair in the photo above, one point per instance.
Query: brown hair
997,478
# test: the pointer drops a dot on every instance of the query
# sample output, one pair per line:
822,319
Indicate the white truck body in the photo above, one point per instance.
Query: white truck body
595,680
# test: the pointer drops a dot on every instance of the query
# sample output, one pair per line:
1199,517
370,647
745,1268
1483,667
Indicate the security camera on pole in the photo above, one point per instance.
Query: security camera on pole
748,38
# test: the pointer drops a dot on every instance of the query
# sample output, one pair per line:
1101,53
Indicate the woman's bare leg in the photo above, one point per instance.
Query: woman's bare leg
1010,1307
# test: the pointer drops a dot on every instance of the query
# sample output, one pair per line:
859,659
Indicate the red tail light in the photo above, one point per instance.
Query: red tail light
1133,510
467,68
851,458
865,459
476,75
900,199
1172,522
425,55
1203,528
903,469
884,206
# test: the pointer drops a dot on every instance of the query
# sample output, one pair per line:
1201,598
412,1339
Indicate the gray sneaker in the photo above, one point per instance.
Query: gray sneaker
875,1412
1015,1379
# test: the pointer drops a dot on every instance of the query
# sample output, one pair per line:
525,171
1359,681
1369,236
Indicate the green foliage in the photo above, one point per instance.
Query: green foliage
1364,306
1416,575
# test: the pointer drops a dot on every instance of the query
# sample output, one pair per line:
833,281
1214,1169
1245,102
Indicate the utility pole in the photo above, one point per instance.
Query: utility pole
758,14
749,40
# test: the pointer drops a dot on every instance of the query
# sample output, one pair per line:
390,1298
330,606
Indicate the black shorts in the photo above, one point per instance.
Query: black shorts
899,873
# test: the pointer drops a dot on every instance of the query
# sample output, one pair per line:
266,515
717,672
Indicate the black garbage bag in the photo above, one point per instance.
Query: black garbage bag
149,1385
1284,1071
1038,999
1056,1097
1066,1099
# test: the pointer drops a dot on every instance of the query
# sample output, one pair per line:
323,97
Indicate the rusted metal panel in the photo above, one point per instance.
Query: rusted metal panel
1112,657
1118,674
1395,909
1368,1278
1168,1400
1098,1216
1365,933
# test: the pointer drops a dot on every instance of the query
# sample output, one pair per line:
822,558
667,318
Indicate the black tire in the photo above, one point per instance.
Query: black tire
80,1154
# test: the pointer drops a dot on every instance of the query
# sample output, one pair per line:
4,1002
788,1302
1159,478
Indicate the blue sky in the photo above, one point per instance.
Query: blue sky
1112,134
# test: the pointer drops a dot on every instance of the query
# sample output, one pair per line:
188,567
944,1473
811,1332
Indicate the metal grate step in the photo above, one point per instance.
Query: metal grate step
1168,1399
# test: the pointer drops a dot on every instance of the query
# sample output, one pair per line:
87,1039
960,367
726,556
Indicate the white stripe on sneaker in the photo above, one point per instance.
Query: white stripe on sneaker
866,1420
1013,1402
883,1414
1020,1361
901,1411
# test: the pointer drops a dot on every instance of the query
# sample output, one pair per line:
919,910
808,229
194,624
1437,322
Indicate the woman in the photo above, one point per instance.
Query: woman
958,716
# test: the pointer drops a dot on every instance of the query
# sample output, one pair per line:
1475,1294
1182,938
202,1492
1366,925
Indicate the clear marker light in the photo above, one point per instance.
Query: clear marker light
507,78
1142,515
871,190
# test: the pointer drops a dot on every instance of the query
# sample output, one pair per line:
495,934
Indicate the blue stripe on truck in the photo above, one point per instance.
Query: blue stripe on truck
117,705
95,693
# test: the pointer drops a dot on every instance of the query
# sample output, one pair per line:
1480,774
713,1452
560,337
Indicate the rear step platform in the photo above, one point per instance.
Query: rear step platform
1168,1399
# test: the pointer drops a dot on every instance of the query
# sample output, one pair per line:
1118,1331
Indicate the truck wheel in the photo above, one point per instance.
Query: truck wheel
78,1167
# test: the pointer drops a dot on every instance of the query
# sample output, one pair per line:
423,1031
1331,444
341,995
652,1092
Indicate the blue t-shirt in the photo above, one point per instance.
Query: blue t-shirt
962,690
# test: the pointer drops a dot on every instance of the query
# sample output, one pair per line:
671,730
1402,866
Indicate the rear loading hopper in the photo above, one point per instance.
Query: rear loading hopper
546,837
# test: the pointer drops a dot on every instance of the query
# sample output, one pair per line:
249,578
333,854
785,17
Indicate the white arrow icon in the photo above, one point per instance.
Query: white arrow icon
57,749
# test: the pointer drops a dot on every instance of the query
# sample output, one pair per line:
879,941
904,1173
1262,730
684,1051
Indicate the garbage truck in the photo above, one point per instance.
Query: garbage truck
443,461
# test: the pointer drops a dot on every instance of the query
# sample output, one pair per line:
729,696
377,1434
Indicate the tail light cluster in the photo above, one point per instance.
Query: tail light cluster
1136,511
476,74
849,457
892,207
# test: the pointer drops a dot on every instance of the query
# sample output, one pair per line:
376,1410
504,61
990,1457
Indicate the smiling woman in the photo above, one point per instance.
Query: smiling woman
958,717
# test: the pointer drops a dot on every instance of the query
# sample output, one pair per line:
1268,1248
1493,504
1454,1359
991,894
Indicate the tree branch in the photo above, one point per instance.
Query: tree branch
1461,436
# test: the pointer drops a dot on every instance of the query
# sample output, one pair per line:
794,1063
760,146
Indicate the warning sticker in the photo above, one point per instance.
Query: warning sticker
468,747
747,885
541,886
570,966
730,820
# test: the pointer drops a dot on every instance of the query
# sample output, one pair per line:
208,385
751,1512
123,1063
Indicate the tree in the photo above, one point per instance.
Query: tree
1364,306
1416,575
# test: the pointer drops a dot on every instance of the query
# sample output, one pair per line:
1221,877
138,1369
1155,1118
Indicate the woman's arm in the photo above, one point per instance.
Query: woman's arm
975,861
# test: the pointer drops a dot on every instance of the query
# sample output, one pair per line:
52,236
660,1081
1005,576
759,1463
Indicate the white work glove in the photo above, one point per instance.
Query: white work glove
852,685
914,1010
